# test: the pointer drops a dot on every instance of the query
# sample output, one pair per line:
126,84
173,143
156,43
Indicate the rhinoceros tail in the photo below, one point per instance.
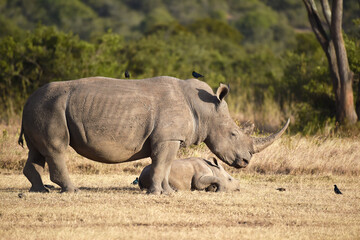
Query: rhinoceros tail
21,140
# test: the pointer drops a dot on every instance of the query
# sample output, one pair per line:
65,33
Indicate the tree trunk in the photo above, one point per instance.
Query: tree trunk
334,48
346,104
358,98
334,74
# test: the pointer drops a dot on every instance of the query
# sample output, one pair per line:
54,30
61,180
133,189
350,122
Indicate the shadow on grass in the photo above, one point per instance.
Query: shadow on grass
109,189
82,189
3,190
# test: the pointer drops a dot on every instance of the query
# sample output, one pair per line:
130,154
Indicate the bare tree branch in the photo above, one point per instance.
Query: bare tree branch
327,11
316,24
326,43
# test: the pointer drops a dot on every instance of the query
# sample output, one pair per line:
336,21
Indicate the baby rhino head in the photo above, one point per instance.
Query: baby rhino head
230,183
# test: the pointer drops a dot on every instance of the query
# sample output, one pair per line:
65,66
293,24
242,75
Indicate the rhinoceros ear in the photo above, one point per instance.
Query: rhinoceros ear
249,129
222,91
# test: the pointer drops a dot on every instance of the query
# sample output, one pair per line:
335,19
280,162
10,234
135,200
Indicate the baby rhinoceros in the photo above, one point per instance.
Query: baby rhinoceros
194,174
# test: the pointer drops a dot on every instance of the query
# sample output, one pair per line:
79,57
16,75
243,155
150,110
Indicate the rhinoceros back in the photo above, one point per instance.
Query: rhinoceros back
112,120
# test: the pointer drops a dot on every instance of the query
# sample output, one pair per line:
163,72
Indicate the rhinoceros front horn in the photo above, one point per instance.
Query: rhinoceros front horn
261,143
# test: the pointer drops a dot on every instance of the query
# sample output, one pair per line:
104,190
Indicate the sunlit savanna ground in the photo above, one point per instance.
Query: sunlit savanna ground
110,207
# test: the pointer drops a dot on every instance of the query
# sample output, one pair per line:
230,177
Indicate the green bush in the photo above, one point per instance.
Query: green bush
267,83
43,56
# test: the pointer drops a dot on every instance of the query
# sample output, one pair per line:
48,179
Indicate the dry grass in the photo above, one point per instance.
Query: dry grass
109,207
310,155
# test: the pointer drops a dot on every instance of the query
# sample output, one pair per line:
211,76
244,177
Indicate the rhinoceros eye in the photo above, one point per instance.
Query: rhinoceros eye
230,179
234,135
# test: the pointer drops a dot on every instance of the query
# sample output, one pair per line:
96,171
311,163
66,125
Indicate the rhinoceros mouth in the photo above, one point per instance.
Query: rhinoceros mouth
240,163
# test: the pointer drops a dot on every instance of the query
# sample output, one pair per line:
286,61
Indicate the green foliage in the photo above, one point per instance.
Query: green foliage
306,87
261,25
292,9
9,28
109,58
353,52
218,28
157,17
69,15
42,56
273,73
178,53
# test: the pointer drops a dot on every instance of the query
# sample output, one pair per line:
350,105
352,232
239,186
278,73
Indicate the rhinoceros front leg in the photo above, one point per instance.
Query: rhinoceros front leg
162,155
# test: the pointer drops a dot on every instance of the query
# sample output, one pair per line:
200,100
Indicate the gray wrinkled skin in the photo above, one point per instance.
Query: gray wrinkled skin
195,174
113,121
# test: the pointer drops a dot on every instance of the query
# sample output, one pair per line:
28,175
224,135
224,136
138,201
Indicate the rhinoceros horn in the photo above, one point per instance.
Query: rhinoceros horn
261,143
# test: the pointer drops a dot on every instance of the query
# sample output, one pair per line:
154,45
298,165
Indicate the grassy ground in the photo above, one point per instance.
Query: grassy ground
110,207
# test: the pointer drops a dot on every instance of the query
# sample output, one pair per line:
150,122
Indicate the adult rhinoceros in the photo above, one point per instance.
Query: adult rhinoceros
112,121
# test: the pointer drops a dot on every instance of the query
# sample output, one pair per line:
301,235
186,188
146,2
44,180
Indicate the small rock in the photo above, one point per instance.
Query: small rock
21,195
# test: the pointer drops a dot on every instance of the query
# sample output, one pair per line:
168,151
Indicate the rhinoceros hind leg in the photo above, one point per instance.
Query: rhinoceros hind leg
59,173
162,155
33,168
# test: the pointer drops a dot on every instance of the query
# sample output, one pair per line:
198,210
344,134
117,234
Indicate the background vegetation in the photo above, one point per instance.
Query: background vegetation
268,54
264,49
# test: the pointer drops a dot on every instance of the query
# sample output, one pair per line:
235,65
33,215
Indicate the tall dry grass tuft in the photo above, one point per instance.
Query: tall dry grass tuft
309,155
12,156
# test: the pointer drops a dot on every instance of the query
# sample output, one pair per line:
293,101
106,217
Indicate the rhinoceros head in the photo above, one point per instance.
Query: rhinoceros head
229,143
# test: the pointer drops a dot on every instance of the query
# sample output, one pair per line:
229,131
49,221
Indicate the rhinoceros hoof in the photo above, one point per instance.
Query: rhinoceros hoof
153,191
39,189
168,192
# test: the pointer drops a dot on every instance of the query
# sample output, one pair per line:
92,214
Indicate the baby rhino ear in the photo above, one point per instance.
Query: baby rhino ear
214,161
222,91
